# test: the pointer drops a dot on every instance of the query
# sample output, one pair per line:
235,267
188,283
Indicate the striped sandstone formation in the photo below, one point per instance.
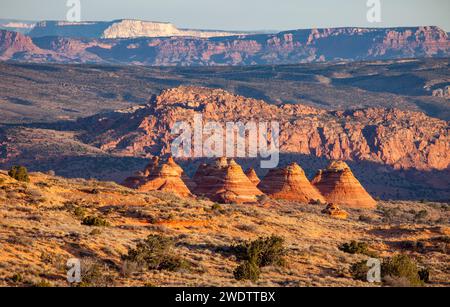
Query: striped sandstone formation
290,183
225,182
251,174
339,186
161,176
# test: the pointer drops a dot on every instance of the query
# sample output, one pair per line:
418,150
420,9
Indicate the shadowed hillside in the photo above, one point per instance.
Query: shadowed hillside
45,92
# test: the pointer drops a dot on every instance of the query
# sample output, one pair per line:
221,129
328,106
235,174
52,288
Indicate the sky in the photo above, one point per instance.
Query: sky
241,14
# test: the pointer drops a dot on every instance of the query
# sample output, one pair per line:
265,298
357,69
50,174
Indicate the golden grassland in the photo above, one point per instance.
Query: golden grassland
41,228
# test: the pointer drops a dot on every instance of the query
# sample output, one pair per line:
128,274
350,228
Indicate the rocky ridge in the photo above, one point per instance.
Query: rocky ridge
106,44
400,139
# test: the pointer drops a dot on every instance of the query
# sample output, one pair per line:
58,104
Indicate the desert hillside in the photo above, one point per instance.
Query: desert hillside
50,92
51,219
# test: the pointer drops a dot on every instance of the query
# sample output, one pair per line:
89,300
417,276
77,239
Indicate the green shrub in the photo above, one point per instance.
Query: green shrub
95,221
399,270
355,247
95,274
247,270
402,266
17,278
359,270
79,212
263,251
317,202
216,207
421,215
417,246
173,264
256,254
365,219
20,173
156,252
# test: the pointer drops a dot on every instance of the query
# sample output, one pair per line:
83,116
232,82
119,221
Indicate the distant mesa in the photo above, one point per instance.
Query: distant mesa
339,186
290,183
117,29
251,174
224,181
160,175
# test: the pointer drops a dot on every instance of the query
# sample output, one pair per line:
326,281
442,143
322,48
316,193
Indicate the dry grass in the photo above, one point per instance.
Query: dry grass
40,228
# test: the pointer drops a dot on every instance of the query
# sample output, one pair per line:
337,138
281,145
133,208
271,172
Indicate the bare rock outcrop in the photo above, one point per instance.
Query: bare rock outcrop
442,92
334,211
339,186
224,181
290,183
12,43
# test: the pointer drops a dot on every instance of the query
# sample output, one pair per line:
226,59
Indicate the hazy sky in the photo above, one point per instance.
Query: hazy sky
240,14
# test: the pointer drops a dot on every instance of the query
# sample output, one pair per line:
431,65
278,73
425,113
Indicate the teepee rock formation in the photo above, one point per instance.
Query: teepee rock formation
251,174
161,176
339,186
290,183
225,182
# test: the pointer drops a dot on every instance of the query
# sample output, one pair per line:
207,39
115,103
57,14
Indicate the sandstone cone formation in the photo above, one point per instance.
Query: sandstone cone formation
334,211
290,183
339,186
161,176
251,174
224,181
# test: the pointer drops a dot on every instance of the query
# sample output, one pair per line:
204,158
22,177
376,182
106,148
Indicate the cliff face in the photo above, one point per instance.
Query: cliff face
12,43
137,28
401,139
151,46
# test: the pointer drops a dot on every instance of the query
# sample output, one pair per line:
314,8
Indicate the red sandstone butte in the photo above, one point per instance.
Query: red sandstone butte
161,176
225,182
290,183
339,186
